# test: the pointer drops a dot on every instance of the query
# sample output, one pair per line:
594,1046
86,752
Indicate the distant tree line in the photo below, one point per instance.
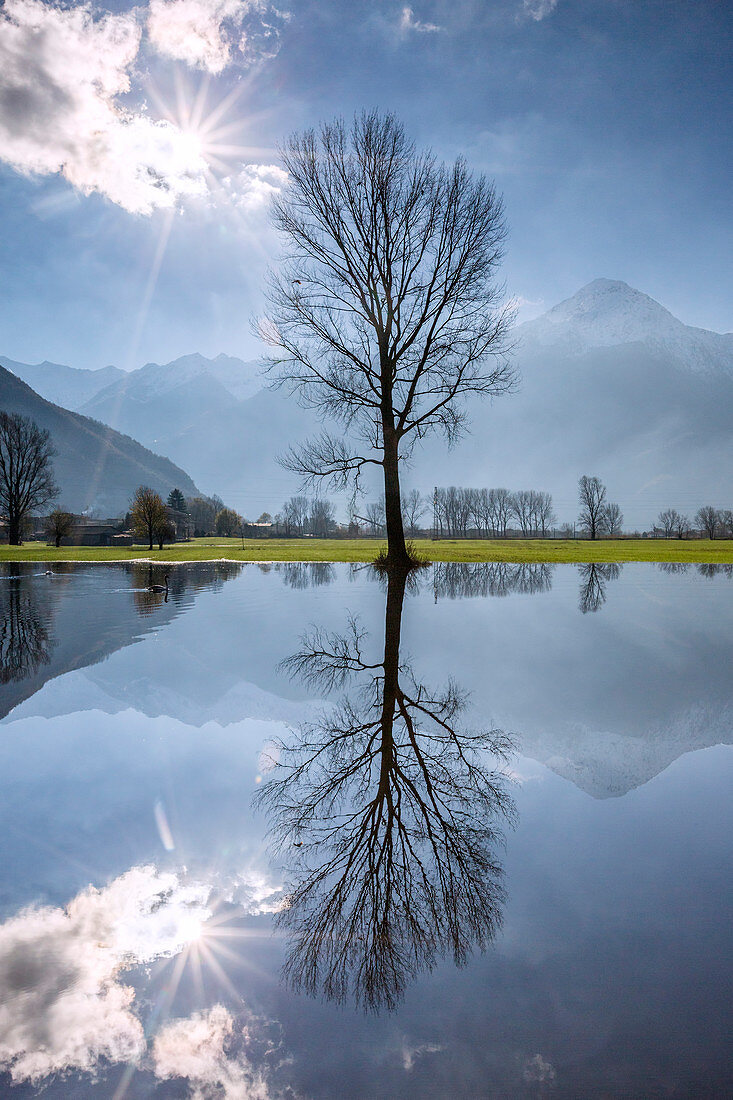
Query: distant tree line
491,513
301,515
710,522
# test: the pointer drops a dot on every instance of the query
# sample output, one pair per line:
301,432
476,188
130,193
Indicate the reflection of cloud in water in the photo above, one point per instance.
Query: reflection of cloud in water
537,1070
64,1006
410,1054
210,1049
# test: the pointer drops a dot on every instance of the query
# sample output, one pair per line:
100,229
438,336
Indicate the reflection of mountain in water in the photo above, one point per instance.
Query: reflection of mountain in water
607,701
73,617
390,817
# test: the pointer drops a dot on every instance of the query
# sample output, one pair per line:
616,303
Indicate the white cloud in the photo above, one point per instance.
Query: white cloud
62,73
208,1049
408,22
62,1005
210,34
255,184
539,9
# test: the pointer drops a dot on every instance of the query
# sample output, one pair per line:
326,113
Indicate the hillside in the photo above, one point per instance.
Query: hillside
96,467
69,387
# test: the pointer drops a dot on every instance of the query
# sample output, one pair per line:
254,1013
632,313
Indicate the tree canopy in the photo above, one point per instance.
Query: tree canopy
385,313
26,472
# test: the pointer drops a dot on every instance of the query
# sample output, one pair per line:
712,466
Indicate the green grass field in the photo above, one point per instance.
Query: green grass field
364,550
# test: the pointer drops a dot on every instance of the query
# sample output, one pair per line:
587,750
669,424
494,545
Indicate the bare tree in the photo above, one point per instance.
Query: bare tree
613,520
592,499
414,507
26,473
59,525
390,816
147,514
295,515
164,530
386,311
374,517
322,518
666,521
522,506
726,522
671,522
501,503
708,520
545,513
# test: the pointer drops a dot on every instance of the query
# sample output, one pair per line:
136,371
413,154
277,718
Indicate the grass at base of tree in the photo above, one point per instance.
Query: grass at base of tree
718,551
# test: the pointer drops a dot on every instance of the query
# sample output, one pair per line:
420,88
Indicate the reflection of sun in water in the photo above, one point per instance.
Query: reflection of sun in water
207,951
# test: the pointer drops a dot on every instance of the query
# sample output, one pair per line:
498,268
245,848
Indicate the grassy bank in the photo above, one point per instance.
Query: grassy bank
364,550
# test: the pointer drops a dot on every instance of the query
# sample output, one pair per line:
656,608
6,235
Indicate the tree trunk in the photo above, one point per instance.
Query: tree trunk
397,555
58,541
13,531
396,581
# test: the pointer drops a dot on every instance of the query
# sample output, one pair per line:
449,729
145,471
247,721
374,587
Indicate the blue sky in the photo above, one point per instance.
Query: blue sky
606,124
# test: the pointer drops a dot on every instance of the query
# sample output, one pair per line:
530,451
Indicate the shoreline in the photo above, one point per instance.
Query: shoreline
540,551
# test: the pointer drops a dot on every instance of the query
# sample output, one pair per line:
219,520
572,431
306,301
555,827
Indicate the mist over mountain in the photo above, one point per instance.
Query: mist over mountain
69,387
96,467
611,384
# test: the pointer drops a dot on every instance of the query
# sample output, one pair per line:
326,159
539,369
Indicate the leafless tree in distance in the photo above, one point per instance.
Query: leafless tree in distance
386,312
147,514
59,525
614,519
26,474
414,507
592,500
708,520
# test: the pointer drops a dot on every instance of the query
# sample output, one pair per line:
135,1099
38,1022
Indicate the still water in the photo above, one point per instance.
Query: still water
304,831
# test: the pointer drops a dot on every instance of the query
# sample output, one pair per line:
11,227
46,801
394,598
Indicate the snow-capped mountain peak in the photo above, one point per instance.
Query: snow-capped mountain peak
609,312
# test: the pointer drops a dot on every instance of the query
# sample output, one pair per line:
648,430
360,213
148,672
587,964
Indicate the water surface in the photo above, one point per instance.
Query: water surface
145,924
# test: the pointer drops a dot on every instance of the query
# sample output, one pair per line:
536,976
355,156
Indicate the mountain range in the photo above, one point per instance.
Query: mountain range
611,384
96,467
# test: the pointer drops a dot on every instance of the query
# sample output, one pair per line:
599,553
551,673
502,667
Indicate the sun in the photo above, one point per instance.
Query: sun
214,127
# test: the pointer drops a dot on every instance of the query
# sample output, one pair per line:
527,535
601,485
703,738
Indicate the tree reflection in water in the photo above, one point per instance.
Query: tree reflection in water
457,580
304,574
593,579
25,643
391,818
710,570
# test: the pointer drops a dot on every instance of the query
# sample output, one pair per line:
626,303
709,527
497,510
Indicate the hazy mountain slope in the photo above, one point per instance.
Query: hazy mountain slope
650,415
156,400
96,467
611,384
65,386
